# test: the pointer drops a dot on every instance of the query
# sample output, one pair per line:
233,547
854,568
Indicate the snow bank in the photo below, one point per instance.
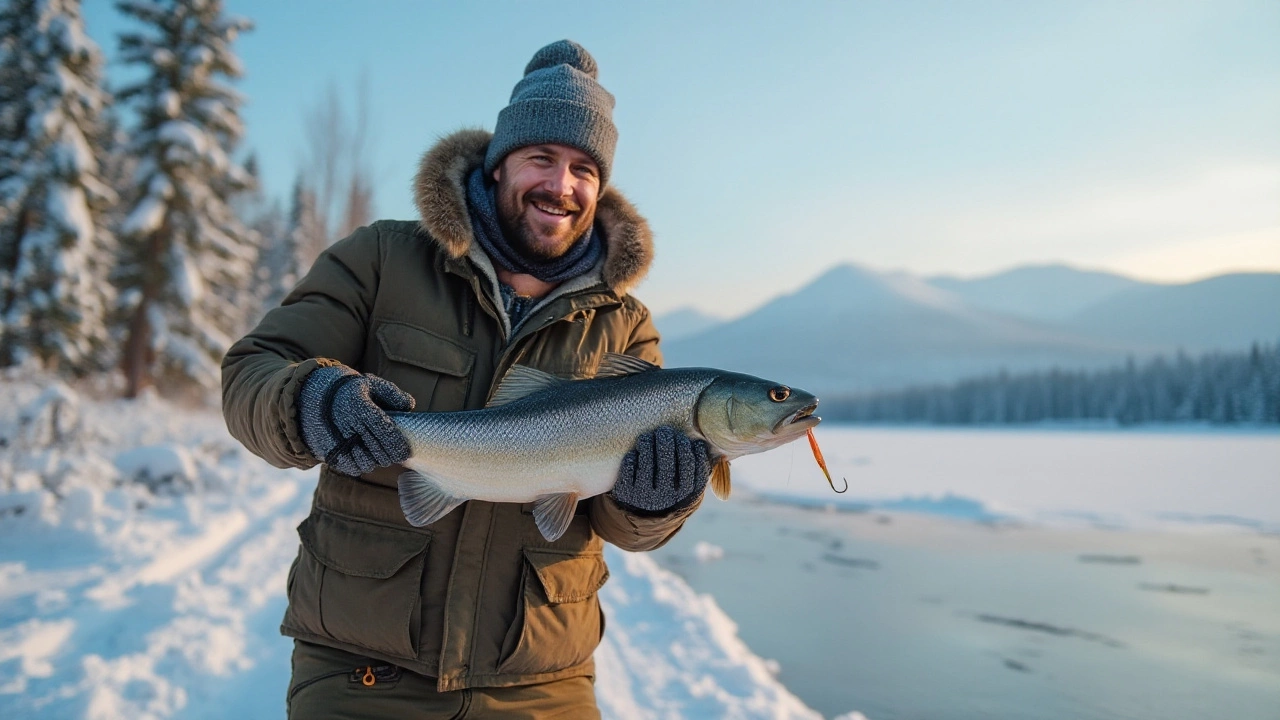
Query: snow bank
671,653
143,558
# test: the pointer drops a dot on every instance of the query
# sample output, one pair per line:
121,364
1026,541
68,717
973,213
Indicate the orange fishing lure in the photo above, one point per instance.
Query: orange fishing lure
817,455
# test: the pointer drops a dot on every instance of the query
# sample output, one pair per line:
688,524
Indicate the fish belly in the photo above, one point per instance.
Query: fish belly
476,480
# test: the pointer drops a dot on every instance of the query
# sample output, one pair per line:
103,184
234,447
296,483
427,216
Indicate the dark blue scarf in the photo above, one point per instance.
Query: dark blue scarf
483,208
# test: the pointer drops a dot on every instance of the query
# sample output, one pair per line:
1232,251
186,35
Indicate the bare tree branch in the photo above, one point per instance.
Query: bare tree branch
336,163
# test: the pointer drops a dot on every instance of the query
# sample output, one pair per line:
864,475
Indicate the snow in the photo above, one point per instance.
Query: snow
158,466
145,218
170,103
186,276
187,155
671,653
181,132
72,154
117,601
71,35
162,57
707,552
55,290
67,205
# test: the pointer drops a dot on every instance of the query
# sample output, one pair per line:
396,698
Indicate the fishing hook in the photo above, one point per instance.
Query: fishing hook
822,463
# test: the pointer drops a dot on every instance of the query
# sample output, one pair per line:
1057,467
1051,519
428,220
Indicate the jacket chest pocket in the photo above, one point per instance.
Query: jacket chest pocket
558,622
432,368
359,583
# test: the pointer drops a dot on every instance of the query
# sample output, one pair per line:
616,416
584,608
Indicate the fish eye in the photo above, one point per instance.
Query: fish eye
780,393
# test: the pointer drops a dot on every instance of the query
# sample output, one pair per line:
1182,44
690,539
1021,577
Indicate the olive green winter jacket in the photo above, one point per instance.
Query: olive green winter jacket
478,598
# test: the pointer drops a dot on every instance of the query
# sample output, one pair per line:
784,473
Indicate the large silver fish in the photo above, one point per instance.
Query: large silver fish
553,442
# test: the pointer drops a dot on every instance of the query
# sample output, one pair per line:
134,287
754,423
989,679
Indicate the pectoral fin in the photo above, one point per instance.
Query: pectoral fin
553,513
422,499
720,479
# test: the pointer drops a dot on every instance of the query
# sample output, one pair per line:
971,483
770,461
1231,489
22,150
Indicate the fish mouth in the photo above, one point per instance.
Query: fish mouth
801,420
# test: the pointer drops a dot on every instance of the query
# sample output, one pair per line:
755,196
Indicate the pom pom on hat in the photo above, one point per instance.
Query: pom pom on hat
558,101
564,52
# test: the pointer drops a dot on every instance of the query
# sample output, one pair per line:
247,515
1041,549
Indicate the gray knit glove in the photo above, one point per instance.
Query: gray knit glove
665,472
343,422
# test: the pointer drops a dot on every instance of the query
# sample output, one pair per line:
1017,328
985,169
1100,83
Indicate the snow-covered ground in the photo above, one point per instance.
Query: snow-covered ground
143,556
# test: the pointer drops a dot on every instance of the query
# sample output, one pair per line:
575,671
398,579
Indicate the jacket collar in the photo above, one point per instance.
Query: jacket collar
439,190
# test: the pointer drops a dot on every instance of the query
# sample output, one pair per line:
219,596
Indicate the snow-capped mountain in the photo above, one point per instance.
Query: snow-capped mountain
856,329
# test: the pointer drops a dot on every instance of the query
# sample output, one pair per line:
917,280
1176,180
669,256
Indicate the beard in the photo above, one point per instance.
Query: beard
532,240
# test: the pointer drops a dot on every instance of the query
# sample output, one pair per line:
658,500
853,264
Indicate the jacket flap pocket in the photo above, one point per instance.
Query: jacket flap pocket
360,549
415,346
568,577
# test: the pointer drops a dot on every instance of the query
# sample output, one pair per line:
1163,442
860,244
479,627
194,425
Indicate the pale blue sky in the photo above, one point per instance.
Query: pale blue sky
768,141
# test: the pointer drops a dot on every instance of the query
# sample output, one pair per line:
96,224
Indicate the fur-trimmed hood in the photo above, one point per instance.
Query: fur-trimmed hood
439,191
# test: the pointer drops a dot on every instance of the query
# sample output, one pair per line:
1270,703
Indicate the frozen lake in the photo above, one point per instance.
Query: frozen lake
1056,614
1130,478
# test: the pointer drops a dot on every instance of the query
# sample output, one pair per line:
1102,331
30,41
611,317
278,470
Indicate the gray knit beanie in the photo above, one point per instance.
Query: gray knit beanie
558,101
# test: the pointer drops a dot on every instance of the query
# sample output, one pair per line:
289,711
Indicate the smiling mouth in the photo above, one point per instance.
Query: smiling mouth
552,209
799,417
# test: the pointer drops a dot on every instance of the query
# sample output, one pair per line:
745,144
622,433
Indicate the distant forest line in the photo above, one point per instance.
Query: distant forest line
1220,388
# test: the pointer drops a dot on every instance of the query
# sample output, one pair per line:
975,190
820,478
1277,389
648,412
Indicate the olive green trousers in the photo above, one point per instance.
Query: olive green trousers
330,683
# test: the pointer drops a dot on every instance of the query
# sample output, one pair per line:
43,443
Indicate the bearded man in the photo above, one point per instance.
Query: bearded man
522,255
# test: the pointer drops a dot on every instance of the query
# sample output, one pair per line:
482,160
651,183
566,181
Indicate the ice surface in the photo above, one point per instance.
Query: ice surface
1125,478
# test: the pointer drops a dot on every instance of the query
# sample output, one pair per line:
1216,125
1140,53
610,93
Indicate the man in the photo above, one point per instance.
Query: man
522,255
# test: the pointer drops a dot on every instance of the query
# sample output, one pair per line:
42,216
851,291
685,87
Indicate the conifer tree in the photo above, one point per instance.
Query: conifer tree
305,232
54,244
186,255
265,218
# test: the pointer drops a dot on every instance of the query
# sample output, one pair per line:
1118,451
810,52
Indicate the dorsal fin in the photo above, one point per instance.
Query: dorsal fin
521,381
615,365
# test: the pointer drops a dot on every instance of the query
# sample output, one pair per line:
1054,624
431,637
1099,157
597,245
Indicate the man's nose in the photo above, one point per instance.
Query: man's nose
559,180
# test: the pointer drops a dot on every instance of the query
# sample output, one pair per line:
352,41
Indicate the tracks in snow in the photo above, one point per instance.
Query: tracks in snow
186,627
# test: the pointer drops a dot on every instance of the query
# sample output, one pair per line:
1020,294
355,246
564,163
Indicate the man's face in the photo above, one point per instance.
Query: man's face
546,198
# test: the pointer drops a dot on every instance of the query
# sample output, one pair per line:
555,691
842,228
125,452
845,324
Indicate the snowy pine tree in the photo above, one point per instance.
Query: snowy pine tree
186,255
54,245
296,250
271,225
266,218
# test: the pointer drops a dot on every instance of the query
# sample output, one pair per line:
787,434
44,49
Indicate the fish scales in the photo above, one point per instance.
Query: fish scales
569,438
553,442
